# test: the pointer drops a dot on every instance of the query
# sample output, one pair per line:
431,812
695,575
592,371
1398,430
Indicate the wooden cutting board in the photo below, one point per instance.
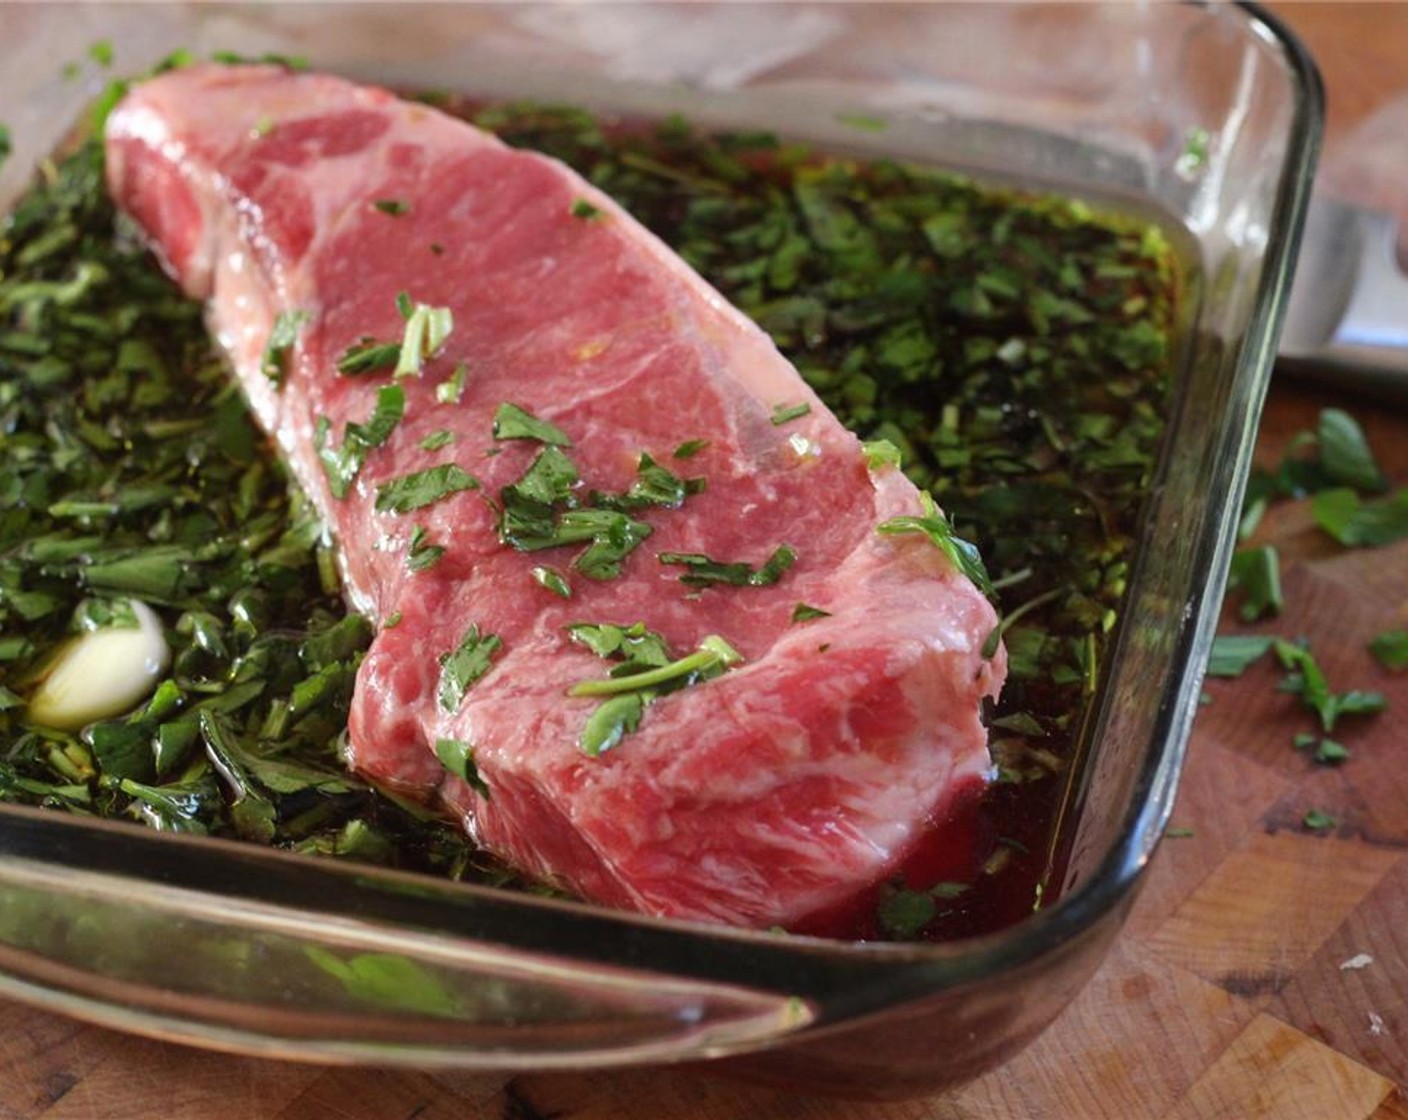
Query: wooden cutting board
1263,974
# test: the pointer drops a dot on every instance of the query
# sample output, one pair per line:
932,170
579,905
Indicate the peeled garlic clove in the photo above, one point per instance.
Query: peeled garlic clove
102,673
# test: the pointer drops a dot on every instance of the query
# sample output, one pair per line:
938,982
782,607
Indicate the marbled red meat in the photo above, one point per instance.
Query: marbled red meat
776,790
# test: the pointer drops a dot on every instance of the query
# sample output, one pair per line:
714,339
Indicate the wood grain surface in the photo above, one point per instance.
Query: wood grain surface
1263,974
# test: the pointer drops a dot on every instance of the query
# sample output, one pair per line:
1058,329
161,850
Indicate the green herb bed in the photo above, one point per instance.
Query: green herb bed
1015,349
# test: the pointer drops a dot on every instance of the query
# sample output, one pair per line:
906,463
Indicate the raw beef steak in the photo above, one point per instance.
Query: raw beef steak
301,206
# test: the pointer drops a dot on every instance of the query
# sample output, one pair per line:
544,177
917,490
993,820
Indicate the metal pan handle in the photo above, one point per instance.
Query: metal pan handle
1347,320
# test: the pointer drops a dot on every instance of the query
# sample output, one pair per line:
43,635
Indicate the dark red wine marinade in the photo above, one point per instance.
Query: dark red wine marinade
1014,348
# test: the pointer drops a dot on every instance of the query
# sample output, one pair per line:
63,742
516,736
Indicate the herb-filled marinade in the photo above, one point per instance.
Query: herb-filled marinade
1014,348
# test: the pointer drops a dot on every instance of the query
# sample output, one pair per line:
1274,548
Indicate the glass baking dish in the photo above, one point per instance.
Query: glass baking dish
229,945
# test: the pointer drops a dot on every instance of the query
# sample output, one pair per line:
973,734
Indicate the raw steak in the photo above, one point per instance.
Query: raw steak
778,789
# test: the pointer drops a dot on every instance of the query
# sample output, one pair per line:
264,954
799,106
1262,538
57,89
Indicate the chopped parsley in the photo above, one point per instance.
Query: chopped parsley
386,981
581,208
613,536
1196,147
282,337
1328,752
1344,452
1307,680
802,612
713,653
1335,455
441,437
610,722
1256,572
393,206
422,488
464,665
548,479
342,464
1346,487
1317,820
367,355
1233,654
181,58
1358,522
513,422
1390,649
451,389
785,412
527,519
904,913
532,517
701,571
457,757
427,329
934,525
646,671
881,453
421,553
553,580
654,486
634,644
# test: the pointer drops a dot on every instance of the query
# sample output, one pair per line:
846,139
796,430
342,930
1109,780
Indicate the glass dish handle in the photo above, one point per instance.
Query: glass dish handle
188,946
